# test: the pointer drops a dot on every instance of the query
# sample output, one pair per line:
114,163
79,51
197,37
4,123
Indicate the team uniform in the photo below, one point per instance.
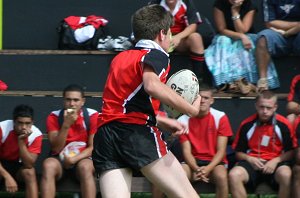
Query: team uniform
78,130
266,141
185,13
9,149
127,134
203,134
294,94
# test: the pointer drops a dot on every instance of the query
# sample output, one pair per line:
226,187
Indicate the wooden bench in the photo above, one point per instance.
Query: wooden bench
141,184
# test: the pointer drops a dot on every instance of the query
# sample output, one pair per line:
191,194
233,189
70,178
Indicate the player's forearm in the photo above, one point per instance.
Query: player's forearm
58,141
217,159
27,158
167,96
3,172
283,25
84,154
187,31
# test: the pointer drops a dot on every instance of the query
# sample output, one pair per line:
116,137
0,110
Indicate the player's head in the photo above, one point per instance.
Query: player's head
149,21
207,99
22,117
73,97
266,105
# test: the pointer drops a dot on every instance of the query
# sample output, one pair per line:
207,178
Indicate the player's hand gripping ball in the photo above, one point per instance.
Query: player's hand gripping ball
184,83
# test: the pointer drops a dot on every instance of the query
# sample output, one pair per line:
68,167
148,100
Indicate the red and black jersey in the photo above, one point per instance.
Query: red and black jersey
9,149
185,13
124,97
265,140
294,94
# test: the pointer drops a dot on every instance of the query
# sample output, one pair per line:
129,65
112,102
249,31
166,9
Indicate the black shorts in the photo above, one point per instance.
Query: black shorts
120,145
257,177
12,167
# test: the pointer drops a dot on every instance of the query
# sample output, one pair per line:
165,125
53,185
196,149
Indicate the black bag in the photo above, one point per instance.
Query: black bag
67,38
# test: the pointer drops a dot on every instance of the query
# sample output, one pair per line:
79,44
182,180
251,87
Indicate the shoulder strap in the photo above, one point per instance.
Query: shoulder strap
86,118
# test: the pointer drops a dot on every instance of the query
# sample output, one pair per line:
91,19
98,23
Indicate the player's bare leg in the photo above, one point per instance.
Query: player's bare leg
168,175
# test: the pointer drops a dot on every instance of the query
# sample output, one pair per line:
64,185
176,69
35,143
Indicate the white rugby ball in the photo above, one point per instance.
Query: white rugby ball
184,83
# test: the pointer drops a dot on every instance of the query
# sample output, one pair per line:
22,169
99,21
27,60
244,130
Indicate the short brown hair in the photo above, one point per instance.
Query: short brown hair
149,20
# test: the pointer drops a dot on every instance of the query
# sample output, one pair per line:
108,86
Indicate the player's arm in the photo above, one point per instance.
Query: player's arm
171,125
188,156
155,88
10,183
87,152
28,158
220,154
58,138
183,34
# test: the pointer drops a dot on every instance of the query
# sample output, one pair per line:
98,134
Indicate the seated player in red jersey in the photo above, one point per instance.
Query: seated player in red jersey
264,148
20,145
204,147
185,38
72,124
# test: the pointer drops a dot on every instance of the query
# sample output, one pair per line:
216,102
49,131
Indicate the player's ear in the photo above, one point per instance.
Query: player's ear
162,35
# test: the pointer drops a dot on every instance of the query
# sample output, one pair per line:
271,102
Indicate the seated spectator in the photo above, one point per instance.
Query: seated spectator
230,57
282,37
20,145
296,167
73,123
204,147
293,105
185,39
264,148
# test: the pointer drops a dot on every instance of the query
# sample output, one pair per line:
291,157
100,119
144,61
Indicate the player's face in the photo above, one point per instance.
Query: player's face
73,100
265,109
206,101
22,125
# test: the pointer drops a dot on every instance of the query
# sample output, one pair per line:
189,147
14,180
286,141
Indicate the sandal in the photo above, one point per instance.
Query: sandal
262,84
243,86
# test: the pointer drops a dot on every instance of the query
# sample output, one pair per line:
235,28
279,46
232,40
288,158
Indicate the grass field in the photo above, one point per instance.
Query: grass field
134,195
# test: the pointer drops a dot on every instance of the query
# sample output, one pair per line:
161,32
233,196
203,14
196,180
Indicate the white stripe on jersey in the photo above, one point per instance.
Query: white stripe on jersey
7,126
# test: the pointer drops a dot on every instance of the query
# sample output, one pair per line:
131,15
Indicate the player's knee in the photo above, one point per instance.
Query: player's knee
195,38
28,174
85,168
50,166
235,175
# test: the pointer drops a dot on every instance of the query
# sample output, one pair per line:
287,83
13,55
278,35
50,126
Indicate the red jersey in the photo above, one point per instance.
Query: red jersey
203,134
9,149
265,140
124,97
185,13
294,94
78,130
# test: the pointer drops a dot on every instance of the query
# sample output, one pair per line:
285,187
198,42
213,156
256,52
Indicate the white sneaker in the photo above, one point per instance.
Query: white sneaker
105,43
121,43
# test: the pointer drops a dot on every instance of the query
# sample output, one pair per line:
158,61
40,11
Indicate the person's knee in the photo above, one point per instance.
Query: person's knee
283,176
50,167
85,168
261,43
235,175
195,39
28,174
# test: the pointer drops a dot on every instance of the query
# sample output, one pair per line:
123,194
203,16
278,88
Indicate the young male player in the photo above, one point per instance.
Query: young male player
128,137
